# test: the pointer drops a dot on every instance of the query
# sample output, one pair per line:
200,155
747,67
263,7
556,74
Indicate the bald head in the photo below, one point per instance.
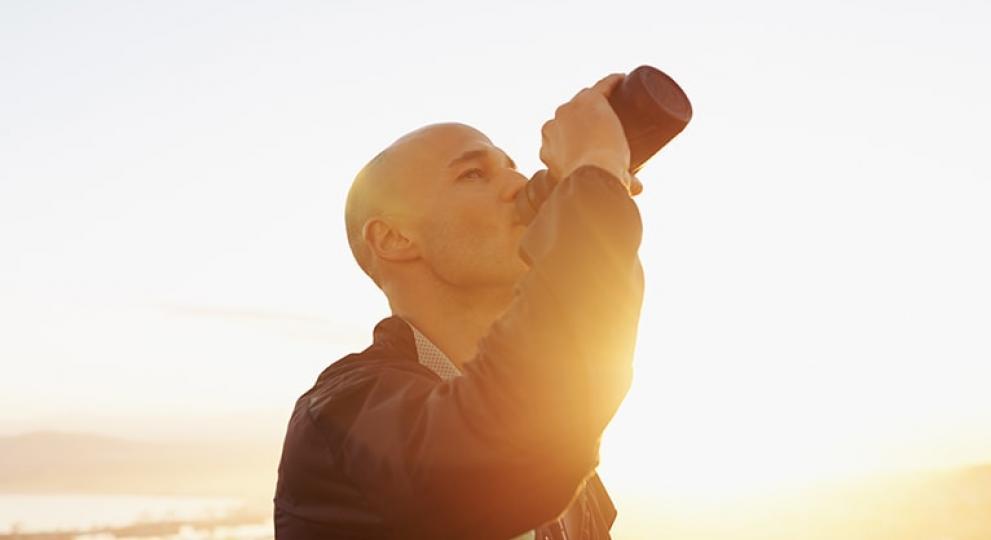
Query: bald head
438,187
383,185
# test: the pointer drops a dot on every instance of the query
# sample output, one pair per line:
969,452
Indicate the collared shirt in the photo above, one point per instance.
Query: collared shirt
435,360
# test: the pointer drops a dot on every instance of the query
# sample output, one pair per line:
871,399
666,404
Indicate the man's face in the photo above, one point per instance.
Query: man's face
460,197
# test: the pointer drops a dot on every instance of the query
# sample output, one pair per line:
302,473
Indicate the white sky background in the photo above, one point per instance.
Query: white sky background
817,245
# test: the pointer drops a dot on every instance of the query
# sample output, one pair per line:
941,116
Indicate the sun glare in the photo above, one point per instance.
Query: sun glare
741,438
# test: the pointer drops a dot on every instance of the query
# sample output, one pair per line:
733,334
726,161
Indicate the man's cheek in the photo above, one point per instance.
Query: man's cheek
479,225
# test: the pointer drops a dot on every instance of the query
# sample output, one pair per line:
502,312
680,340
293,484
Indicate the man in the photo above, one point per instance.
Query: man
477,411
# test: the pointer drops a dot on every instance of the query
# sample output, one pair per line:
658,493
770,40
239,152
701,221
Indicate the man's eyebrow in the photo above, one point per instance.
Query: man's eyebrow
474,154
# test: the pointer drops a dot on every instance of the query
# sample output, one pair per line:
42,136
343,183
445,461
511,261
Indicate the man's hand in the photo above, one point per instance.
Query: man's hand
586,131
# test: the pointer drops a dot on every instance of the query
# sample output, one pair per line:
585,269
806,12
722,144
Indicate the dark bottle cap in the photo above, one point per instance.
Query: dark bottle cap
653,110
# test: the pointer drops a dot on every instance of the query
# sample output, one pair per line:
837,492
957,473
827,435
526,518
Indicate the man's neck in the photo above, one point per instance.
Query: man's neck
455,323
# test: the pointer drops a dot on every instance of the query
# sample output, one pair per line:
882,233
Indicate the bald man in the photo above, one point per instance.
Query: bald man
476,412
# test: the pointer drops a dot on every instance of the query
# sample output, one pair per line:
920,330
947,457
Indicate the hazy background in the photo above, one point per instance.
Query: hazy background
817,246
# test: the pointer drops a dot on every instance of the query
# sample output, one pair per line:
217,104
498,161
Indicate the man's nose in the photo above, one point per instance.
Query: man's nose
514,183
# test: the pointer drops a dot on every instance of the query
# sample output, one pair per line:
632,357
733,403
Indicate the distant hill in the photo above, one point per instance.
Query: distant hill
954,504
61,462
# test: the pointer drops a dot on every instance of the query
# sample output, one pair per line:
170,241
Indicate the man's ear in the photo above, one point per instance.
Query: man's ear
388,242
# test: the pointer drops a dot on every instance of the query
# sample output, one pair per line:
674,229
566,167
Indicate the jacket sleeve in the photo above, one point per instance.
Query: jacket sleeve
508,444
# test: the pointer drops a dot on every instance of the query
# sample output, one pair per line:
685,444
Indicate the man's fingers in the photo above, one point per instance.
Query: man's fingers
606,85
586,131
545,156
545,144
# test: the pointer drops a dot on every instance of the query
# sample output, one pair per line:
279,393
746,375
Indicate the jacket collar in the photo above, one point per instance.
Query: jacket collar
395,335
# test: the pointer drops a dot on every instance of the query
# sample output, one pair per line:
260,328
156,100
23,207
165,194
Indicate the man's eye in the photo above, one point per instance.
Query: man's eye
472,173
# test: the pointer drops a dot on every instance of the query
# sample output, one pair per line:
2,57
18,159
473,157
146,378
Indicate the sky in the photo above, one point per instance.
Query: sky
816,249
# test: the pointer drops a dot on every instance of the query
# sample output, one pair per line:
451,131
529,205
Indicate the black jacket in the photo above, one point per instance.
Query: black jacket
381,447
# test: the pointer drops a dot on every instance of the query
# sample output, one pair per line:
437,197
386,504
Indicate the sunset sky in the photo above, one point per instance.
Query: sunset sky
817,242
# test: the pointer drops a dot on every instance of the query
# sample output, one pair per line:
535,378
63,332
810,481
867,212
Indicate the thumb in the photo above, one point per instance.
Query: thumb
636,186
607,84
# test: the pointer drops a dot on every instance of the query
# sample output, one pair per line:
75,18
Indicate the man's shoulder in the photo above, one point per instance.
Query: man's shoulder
392,356
360,368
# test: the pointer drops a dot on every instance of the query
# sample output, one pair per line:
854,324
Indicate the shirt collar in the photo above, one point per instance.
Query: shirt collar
432,357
